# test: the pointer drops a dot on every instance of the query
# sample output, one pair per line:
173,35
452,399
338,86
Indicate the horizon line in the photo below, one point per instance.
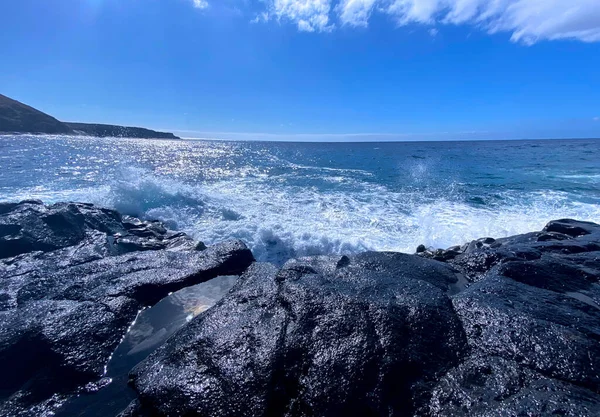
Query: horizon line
515,139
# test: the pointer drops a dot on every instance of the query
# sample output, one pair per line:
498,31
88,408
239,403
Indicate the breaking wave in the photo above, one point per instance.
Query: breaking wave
279,222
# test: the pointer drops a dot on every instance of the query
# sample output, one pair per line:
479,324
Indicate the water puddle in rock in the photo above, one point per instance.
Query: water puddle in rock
152,327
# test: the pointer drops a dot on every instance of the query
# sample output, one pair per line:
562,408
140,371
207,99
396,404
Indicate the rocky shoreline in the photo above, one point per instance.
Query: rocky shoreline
495,327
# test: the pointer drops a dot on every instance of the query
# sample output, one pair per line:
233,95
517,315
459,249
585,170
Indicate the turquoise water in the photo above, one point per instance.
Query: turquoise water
295,199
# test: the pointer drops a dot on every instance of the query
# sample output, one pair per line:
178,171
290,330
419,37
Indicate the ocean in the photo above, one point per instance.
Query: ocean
296,199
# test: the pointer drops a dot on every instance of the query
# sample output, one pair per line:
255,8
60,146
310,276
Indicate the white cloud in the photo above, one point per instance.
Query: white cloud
308,15
408,11
433,32
261,17
596,119
200,4
529,21
355,12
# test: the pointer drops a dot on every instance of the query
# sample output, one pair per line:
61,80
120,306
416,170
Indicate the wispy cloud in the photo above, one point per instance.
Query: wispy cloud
355,12
200,4
528,21
308,15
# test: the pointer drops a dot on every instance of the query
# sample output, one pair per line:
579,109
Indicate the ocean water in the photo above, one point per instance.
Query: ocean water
294,199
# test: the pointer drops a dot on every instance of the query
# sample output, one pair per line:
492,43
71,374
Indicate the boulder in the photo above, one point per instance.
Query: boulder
362,335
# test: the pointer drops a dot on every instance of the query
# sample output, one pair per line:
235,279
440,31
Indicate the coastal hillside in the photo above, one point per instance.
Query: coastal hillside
103,131
16,117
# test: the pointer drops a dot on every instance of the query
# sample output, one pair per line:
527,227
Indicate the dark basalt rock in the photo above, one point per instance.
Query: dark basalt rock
533,350
495,327
560,237
373,334
69,289
31,226
532,320
493,386
571,228
362,335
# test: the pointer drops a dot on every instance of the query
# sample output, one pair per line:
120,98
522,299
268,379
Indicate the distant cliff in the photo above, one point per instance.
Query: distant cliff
16,117
117,131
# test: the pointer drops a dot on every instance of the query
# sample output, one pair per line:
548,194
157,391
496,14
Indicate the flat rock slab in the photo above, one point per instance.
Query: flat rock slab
69,290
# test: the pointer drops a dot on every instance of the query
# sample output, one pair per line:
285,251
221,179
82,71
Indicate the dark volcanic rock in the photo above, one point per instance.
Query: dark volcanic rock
571,228
72,280
533,351
560,237
392,334
494,386
365,335
532,320
31,226
496,327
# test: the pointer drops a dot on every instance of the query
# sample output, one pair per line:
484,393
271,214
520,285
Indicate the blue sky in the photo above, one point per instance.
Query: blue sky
311,69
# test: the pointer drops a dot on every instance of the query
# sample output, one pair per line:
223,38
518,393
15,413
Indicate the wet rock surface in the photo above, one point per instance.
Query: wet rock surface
532,320
362,335
72,279
497,327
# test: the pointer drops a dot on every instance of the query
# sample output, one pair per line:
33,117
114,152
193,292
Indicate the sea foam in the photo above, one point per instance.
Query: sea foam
305,201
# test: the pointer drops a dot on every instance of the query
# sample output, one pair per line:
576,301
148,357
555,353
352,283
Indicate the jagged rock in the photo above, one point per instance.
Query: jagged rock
476,258
31,226
495,327
493,386
70,293
330,336
362,335
532,321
